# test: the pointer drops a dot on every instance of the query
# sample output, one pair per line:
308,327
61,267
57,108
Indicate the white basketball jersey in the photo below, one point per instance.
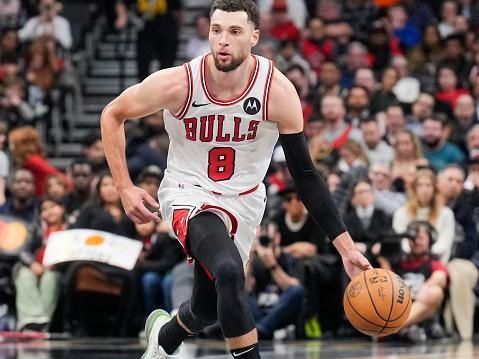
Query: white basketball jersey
224,146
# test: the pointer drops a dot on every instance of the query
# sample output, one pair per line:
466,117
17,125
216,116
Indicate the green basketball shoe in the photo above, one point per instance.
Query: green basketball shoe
155,321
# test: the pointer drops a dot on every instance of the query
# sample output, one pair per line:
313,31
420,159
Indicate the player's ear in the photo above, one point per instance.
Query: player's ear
254,37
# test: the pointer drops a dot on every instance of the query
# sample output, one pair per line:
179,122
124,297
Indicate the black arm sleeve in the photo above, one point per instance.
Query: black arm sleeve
310,186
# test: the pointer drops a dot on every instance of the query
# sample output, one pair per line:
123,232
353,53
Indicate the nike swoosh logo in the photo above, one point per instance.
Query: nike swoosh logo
199,104
240,354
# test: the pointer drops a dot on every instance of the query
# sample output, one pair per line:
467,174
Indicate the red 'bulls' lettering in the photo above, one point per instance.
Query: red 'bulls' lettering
215,128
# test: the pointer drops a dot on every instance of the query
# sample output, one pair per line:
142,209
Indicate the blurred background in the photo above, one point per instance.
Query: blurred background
390,97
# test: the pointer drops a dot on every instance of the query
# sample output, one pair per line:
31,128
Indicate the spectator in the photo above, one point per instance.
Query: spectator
329,77
48,24
429,52
13,105
9,43
105,212
421,109
437,150
9,13
450,183
381,47
358,103
424,204
199,44
158,33
352,156
28,151
420,12
356,58
463,273
406,32
455,56
384,198
449,12
316,47
395,122
276,297
377,150
366,223
336,130
299,234
56,187
360,15
160,254
297,11
22,202
289,56
449,88
407,155
283,28
365,77
383,97
150,179
407,88
464,120
41,71
37,286
81,173
299,79
93,152
426,277
9,68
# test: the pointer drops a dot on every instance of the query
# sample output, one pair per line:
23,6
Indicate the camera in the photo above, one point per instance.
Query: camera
264,240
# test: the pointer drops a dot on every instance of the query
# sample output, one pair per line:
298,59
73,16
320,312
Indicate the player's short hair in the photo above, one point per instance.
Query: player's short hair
248,6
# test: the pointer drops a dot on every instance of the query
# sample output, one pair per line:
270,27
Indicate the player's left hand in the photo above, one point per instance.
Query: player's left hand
354,263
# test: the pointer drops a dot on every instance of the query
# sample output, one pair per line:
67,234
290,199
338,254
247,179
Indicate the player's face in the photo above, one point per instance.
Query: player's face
231,38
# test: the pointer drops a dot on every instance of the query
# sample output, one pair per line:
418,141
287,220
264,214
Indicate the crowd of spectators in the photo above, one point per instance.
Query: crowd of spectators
390,98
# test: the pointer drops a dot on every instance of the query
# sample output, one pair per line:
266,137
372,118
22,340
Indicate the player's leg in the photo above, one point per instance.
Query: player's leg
193,315
210,243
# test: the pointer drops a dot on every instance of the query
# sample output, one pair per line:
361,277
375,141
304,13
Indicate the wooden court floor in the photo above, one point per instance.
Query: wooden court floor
132,349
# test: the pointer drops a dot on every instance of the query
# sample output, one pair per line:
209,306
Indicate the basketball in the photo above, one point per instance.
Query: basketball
377,302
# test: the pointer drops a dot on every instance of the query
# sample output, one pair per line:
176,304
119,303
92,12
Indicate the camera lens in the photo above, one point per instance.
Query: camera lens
264,241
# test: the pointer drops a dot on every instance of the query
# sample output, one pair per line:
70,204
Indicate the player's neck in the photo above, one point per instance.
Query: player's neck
231,83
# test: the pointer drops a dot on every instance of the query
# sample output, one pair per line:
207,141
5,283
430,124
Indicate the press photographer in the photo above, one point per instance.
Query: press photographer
275,296
427,278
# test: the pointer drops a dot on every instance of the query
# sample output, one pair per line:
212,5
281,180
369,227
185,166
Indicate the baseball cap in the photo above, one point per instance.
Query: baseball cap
150,171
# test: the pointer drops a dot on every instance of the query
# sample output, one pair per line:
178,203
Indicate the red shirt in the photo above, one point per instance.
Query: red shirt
287,31
41,169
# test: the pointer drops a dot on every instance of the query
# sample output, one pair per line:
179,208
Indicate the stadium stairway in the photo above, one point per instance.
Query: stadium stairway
111,69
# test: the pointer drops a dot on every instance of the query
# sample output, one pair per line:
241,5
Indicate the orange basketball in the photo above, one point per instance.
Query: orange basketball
377,302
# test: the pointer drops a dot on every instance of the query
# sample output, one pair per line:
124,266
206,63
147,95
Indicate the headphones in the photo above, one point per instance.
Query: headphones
414,227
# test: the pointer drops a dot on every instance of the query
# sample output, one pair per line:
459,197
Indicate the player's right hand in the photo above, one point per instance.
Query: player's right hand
133,199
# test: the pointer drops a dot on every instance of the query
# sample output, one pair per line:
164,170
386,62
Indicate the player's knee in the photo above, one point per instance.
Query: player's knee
229,273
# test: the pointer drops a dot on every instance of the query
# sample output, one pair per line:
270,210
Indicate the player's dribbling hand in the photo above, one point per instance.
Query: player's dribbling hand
354,263
133,200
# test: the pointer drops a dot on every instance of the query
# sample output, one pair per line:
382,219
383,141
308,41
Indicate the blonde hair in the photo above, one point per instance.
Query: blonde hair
357,151
415,141
412,204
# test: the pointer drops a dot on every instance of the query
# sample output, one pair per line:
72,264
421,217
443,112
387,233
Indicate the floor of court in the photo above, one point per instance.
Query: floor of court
132,349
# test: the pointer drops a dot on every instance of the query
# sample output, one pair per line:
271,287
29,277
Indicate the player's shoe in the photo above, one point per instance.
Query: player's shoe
155,321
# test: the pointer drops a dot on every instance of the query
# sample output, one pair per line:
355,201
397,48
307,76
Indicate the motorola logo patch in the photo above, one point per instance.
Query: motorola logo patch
251,106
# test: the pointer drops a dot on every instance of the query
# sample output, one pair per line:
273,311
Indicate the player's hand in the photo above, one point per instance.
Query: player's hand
133,200
354,263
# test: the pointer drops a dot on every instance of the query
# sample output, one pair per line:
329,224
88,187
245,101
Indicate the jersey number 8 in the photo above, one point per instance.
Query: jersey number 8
221,163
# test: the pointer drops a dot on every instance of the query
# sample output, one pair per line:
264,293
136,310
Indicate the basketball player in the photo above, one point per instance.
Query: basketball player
223,113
